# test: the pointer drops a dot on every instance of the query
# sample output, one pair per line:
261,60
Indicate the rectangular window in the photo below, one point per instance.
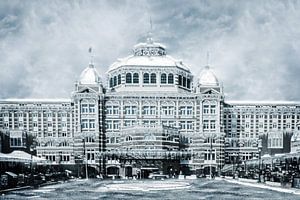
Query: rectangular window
213,109
115,110
127,123
84,108
182,125
205,109
109,110
205,125
92,124
189,125
146,110
109,125
186,110
247,125
167,110
92,108
152,110
189,110
84,123
212,124
115,125
149,110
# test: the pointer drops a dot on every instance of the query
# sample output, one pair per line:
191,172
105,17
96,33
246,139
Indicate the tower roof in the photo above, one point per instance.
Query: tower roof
90,76
207,77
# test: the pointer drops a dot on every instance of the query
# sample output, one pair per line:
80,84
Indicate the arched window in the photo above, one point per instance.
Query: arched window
184,82
128,78
188,83
119,79
135,78
64,144
149,137
163,79
115,80
146,78
128,138
111,82
153,78
179,80
170,79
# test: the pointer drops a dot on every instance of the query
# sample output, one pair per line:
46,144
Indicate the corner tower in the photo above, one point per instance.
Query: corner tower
88,114
211,133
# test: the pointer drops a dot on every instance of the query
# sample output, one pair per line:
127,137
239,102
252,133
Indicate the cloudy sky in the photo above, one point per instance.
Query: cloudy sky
254,45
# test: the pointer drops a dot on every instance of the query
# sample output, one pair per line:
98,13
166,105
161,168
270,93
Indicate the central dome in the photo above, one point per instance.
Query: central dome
149,54
90,76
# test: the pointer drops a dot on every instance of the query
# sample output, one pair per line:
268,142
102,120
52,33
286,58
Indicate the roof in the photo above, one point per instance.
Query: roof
208,78
150,54
233,102
90,76
36,100
150,61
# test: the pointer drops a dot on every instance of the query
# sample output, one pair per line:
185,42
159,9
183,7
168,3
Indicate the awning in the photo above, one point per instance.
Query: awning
12,174
149,168
21,156
227,168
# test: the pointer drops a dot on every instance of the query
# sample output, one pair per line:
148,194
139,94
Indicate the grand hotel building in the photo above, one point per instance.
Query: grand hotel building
153,114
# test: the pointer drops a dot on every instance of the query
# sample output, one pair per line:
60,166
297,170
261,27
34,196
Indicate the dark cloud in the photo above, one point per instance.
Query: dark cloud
254,45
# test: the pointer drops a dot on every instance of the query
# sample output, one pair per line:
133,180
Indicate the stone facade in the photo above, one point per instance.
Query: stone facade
153,114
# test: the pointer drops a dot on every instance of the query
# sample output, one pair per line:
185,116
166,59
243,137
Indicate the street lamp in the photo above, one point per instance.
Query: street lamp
85,158
233,158
259,157
210,136
32,149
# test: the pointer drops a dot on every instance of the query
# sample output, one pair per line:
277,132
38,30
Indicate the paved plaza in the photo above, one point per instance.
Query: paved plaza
150,189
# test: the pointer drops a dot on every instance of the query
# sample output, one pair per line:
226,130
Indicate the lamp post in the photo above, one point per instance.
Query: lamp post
210,167
85,158
32,149
210,136
259,159
233,158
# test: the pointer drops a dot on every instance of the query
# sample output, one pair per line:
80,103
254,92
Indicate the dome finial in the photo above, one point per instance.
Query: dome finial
91,64
149,36
207,59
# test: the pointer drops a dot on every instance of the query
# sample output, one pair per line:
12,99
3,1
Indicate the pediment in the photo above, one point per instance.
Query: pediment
210,91
86,89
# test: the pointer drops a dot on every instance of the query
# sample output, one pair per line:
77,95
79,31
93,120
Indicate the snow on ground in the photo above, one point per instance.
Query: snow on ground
144,186
263,186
